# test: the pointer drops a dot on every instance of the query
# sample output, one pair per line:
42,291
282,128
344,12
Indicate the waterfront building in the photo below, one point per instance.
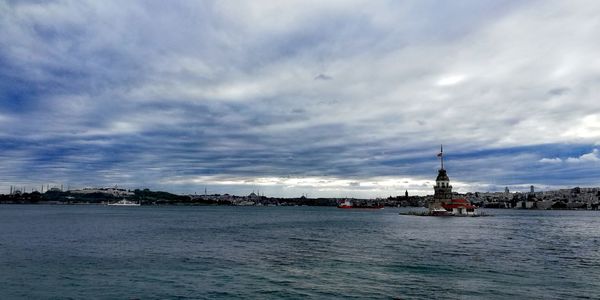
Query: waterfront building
526,204
544,204
443,201
460,207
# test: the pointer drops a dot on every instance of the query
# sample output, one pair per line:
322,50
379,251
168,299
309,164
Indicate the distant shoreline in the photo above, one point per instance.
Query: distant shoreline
567,199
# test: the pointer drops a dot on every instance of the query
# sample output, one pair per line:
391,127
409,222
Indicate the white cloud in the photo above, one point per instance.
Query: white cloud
586,128
551,160
593,156
450,80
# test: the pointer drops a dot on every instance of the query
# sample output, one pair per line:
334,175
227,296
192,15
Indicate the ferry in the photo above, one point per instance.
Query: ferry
125,202
439,212
347,204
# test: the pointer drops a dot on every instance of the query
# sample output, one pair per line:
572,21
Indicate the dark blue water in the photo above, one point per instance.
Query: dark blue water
84,252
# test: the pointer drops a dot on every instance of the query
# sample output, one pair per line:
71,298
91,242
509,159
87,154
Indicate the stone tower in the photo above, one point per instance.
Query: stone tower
442,187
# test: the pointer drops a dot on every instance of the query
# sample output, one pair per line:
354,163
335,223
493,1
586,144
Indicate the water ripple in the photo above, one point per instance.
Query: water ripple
294,253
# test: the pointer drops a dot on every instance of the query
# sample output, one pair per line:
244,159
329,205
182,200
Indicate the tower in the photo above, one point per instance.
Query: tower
442,188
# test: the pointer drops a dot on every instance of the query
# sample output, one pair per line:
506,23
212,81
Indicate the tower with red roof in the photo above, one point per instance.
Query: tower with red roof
442,197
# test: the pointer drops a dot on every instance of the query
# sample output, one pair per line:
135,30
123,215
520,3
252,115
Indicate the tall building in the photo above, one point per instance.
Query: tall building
442,189
443,204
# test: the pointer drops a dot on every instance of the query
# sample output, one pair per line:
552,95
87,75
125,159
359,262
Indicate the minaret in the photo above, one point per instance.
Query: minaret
442,188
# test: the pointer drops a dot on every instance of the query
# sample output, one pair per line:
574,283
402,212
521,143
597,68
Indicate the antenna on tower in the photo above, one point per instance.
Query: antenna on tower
441,156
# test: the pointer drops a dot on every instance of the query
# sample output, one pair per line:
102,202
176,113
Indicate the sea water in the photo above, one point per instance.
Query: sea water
166,252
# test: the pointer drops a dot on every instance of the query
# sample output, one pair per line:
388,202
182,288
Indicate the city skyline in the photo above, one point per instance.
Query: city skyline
336,99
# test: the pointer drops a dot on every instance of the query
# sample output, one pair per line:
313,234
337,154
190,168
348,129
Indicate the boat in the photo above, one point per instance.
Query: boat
439,212
347,204
124,202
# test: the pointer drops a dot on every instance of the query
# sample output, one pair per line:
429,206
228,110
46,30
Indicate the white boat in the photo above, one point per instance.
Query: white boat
346,204
125,202
439,211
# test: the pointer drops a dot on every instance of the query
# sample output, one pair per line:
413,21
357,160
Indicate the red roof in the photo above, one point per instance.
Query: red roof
458,203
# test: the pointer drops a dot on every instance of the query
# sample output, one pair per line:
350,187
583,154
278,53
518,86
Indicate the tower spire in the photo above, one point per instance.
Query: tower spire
441,156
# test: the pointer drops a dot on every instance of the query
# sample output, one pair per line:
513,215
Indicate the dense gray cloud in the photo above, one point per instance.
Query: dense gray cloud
334,99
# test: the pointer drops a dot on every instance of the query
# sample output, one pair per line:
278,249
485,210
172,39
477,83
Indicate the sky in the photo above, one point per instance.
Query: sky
290,98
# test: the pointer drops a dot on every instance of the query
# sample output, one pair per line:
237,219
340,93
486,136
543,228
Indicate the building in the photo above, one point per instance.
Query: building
443,202
114,191
460,207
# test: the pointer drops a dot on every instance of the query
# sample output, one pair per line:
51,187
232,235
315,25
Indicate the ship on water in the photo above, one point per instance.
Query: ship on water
124,202
443,204
348,204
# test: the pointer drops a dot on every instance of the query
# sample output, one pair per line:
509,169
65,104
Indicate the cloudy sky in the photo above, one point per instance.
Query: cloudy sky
325,98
